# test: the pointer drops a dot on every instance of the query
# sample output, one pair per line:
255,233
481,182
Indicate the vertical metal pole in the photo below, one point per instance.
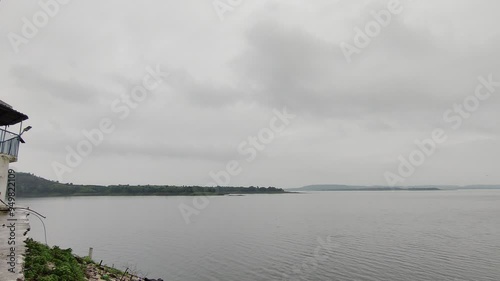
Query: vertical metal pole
91,251
2,138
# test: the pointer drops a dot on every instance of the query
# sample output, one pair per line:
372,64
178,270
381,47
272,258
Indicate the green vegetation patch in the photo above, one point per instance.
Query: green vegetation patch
43,263
29,185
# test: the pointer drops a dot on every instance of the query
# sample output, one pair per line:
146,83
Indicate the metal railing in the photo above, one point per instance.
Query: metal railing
9,143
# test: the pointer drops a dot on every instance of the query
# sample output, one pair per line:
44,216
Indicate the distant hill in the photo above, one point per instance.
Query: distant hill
338,187
29,185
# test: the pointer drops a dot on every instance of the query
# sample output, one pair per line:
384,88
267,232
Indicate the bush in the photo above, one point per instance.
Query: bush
51,264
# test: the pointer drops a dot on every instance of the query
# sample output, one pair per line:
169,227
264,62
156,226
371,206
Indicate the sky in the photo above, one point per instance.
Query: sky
281,93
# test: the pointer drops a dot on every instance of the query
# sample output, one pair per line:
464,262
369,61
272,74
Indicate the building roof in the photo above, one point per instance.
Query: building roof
9,116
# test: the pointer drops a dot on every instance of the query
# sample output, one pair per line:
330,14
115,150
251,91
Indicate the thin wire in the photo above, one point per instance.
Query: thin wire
44,229
28,209
37,214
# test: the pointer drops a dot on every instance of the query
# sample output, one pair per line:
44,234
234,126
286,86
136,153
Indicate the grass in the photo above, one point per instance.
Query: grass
43,263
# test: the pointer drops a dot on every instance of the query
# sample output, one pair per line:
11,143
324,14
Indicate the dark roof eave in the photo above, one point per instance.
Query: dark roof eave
9,116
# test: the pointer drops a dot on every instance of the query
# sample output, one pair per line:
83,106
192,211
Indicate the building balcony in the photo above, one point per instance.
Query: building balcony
9,144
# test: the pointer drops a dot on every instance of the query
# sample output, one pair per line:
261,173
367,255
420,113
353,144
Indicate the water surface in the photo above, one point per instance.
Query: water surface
419,235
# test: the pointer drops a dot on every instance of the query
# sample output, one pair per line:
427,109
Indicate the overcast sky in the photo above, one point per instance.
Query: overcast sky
229,70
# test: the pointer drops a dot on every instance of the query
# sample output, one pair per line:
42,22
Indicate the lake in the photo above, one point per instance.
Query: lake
382,235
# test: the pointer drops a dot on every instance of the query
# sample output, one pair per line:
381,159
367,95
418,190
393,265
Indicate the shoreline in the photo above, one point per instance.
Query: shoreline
44,261
151,195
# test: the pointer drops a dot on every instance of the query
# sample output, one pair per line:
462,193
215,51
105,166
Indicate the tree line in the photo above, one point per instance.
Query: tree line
30,185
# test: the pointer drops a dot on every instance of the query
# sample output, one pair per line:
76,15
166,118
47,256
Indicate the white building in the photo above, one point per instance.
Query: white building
9,143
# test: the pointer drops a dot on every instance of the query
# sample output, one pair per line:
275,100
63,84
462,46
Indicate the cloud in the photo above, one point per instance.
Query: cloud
353,119
405,75
69,90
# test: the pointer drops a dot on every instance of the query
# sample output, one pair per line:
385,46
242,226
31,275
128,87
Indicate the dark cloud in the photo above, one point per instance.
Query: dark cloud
71,90
403,74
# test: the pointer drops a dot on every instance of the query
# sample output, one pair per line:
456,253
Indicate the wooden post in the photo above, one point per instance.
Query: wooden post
91,251
124,274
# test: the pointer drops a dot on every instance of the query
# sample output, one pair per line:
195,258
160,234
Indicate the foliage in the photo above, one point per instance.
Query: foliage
29,185
51,264
86,260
